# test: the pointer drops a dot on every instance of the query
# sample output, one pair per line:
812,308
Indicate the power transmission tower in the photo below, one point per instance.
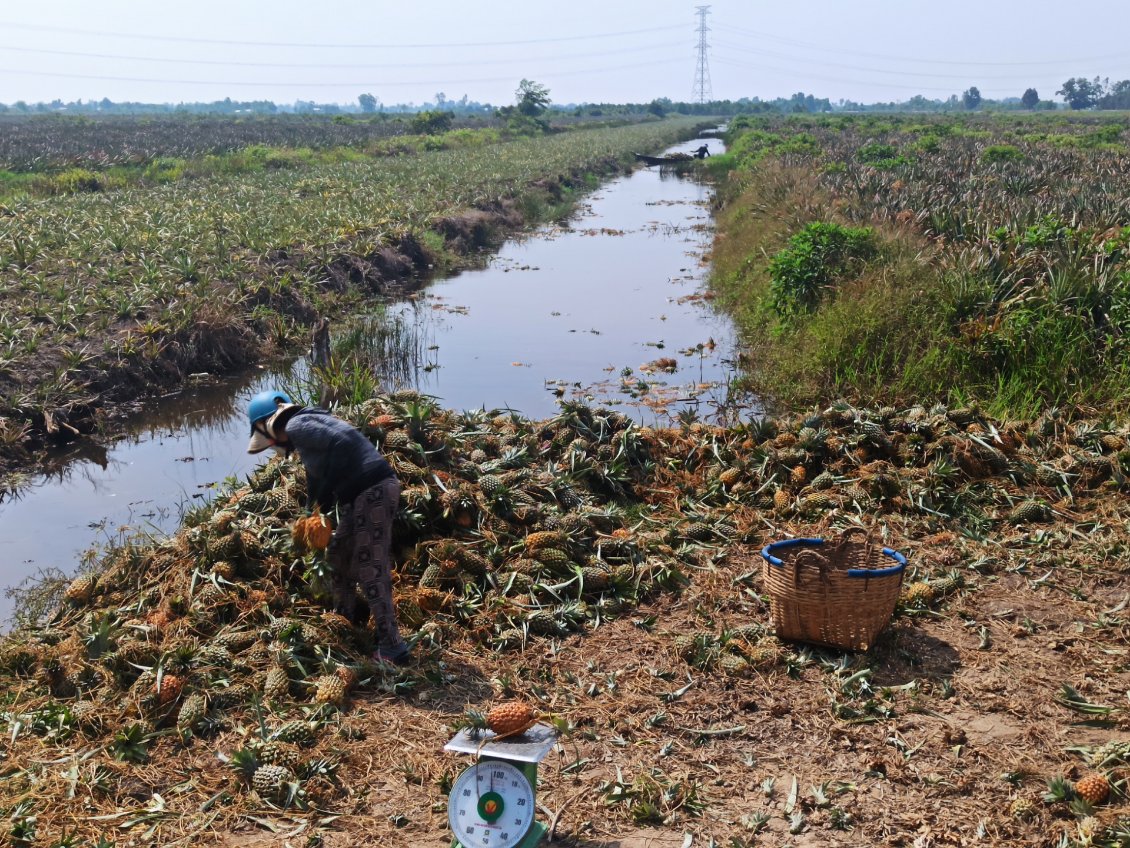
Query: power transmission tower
702,90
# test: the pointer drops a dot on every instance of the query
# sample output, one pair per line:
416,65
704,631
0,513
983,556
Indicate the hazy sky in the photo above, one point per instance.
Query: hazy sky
582,50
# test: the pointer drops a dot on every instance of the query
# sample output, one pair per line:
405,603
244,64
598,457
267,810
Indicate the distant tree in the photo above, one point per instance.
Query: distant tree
971,98
659,107
1117,96
532,98
368,103
1030,98
1081,93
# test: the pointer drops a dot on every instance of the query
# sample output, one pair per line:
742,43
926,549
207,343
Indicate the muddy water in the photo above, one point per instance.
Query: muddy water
606,307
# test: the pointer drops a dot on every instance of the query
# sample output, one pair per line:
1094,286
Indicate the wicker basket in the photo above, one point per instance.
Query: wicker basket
839,594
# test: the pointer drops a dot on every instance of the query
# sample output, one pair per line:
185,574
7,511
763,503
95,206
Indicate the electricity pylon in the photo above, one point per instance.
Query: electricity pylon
702,90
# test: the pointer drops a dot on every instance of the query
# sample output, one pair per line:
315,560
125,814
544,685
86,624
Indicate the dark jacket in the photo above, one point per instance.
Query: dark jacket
340,461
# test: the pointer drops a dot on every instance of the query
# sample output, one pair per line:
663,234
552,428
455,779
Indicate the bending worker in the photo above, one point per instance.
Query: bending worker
343,471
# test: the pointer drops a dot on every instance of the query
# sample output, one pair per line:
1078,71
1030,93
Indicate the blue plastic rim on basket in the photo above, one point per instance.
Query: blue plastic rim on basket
900,560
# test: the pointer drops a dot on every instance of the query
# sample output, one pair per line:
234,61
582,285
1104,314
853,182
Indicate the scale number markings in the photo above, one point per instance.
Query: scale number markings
491,805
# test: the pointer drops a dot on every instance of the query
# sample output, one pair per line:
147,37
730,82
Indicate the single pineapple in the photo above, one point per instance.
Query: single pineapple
331,690
815,502
277,684
81,590
192,712
297,732
512,717
1022,808
275,753
545,539
781,499
733,665
271,781
798,474
1028,511
168,689
729,476
1094,788
919,595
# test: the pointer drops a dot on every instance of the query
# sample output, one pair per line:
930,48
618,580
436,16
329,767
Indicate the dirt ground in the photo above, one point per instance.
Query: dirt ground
960,720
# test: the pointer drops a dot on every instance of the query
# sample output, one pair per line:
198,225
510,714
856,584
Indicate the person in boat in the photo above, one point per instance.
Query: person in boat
702,152
344,471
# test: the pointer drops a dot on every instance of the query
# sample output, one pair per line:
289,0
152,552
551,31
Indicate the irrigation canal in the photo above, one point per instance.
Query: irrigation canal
607,307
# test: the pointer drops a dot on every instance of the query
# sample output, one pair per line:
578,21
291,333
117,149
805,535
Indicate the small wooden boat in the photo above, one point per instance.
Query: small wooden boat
664,160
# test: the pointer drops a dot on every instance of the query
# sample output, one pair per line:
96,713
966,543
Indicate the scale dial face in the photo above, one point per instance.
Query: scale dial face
491,806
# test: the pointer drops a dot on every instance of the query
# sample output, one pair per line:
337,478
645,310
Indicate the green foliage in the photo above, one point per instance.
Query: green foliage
996,153
880,155
532,98
433,122
1022,302
816,258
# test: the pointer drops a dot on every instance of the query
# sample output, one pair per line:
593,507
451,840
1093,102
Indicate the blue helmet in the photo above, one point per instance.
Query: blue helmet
265,404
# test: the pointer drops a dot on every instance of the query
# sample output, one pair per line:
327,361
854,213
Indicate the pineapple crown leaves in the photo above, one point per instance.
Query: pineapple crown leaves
244,763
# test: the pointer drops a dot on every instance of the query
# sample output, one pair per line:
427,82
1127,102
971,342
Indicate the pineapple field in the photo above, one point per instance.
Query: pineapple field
115,292
604,577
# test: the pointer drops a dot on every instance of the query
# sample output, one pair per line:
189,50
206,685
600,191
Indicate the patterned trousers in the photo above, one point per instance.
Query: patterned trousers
359,554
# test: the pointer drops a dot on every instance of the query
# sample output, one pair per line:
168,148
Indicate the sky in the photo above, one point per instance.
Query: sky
583,51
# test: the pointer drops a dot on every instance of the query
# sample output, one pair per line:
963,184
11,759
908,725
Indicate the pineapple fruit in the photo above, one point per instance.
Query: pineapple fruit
81,590
331,689
512,717
271,781
1093,788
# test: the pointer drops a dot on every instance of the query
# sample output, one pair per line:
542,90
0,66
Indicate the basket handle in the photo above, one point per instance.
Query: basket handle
818,560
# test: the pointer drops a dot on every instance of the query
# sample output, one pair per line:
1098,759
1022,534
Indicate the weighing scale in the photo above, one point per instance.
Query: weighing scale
492,804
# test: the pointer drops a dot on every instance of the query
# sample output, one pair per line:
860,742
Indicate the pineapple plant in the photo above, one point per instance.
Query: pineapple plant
512,717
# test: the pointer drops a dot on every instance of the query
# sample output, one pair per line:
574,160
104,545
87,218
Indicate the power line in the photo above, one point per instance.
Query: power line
916,59
701,88
302,84
932,75
334,45
307,65
840,79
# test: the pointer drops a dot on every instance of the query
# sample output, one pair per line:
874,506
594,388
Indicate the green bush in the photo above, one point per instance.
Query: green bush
74,180
816,258
1000,153
433,122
